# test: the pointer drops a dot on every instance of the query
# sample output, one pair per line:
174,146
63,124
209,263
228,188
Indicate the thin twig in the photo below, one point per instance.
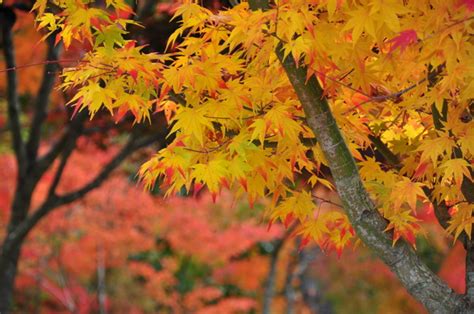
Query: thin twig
12,68
323,200
209,150
42,100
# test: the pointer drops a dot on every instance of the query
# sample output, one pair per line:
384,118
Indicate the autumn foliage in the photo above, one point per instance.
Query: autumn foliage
238,123
272,100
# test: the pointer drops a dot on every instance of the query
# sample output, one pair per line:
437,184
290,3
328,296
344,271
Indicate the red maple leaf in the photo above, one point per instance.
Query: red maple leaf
403,40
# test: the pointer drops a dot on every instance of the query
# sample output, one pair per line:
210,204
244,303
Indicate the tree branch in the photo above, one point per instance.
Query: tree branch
129,148
15,237
42,99
389,156
7,20
132,145
62,165
73,130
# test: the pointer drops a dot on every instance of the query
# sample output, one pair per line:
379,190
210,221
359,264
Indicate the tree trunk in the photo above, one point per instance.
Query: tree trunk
9,258
7,279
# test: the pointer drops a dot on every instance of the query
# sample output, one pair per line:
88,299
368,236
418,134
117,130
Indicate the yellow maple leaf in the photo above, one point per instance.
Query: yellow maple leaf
461,220
211,173
361,21
432,149
300,205
191,121
406,191
456,169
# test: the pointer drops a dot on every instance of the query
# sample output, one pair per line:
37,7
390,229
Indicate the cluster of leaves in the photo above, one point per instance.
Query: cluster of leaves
398,77
114,73
141,247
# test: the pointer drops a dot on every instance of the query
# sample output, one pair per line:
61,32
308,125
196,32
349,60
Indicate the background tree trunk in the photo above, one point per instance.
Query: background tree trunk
7,279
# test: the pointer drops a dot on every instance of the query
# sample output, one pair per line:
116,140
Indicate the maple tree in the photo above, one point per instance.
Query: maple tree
267,98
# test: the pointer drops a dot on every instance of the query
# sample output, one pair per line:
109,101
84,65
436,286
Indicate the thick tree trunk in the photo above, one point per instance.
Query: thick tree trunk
10,252
7,279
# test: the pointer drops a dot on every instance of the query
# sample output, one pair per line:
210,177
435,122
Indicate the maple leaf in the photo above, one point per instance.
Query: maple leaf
48,20
456,169
211,174
169,108
314,229
467,142
40,6
333,5
331,230
432,149
191,121
299,204
404,225
461,220
407,191
403,40
361,20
